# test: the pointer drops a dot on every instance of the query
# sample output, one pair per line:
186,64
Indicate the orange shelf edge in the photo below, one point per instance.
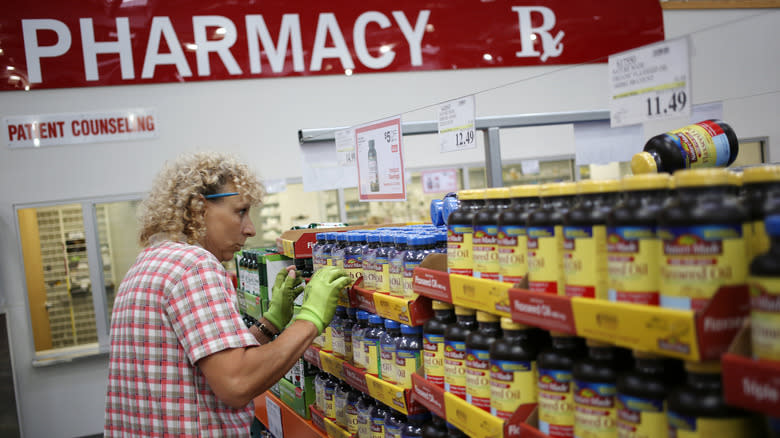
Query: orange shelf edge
293,424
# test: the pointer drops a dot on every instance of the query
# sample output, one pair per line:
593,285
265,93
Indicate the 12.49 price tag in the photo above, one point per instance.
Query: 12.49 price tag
456,124
650,83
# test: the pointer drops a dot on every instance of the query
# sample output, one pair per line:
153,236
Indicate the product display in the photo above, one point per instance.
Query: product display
545,238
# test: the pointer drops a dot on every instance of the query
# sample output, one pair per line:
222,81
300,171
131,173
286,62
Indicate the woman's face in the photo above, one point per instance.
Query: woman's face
227,225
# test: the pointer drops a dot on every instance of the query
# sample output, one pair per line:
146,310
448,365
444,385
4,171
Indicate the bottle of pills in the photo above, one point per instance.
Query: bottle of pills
337,332
595,378
408,355
414,255
331,383
387,350
371,344
319,390
633,246
316,251
512,235
327,249
455,350
703,240
394,423
513,375
433,341
351,411
396,270
358,330
337,253
378,414
555,385
545,238
340,402
369,260
641,396
764,281
353,255
364,405
460,231
478,344
585,239
348,323
485,233
382,262
761,185
414,425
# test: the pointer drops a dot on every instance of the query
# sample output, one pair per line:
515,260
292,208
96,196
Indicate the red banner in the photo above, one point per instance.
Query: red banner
56,44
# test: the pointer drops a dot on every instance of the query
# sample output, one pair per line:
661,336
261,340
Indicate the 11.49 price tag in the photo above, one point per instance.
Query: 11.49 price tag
456,124
650,83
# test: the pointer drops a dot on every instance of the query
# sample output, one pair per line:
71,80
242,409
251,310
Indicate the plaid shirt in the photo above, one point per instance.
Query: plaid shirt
175,306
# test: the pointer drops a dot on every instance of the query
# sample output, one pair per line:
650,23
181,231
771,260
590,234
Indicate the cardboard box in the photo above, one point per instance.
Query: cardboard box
298,399
252,305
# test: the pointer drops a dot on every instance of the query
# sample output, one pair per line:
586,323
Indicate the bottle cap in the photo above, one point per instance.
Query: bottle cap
464,311
372,237
320,236
647,181
440,305
761,174
437,209
486,317
362,314
508,324
707,367
410,330
470,195
558,189
390,324
375,319
524,191
589,186
642,163
701,177
772,225
497,193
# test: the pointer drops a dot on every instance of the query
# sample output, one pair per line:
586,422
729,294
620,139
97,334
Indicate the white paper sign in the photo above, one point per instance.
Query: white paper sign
529,167
75,128
440,181
345,147
456,124
650,83
597,143
380,161
321,170
274,418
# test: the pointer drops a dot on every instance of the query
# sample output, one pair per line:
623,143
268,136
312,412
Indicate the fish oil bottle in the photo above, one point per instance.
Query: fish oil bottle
364,405
317,256
764,281
371,344
414,425
585,239
711,143
513,372
633,246
512,234
485,228
761,185
348,323
353,255
641,397
436,428
460,231
394,423
378,414
337,253
358,330
415,253
545,238
351,411
369,260
455,350
330,385
319,390
340,402
433,341
337,331
697,409
396,270
703,240
382,262
408,355
555,384
478,344
387,350
327,249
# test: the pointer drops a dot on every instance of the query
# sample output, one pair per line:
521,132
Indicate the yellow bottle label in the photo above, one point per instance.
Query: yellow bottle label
485,252
372,357
408,279
698,260
512,252
364,423
633,264
595,410
352,419
387,363
556,403
585,261
455,368
512,383
406,363
759,239
396,277
459,247
639,417
765,316
357,352
382,275
703,144
337,341
478,378
327,340
684,426
545,263
330,403
433,358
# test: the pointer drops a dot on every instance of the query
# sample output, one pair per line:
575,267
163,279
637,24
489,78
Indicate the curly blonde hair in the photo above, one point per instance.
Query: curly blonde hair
174,208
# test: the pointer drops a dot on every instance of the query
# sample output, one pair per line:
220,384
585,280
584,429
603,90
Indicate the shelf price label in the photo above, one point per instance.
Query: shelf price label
380,162
456,124
650,83
345,147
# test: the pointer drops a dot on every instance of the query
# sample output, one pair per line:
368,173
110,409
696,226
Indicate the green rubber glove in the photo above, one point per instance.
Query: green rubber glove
322,296
286,288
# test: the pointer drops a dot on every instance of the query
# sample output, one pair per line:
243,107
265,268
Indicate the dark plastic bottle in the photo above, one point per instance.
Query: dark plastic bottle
378,414
364,405
436,428
396,268
761,185
641,394
358,330
327,249
351,411
455,350
337,331
331,384
485,228
513,369
317,251
545,238
711,143
387,350
382,262
478,344
371,342
337,253
555,385
698,407
764,280
408,355
414,425
340,403
460,232
414,255
348,324
368,261
584,234
512,234
433,341
633,265
353,255
394,423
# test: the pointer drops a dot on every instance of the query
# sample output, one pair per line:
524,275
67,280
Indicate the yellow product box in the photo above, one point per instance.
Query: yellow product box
490,296
388,393
472,420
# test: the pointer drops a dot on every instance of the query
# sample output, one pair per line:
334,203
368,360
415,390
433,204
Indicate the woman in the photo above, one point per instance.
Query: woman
181,360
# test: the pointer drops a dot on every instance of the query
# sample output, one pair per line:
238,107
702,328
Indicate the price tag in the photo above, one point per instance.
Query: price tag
380,161
440,181
530,167
456,124
650,83
345,147
274,418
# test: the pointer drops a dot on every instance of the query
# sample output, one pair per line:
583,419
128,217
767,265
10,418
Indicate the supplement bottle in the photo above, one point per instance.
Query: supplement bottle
397,265
455,350
353,256
545,238
437,210
703,241
697,409
340,403
331,383
394,423
513,375
484,250
633,247
436,428
414,425
351,411
460,229
595,378
378,414
408,355
358,331
382,262
347,324
641,394
319,390
371,344
761,185
433,341
764,281
337,253
478,344
555,385
711,143
364,405
337,331
512,235
327,249
413,256
369,261
585,239
387,350
441,242
317,251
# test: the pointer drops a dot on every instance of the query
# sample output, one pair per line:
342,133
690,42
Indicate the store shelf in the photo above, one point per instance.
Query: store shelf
411,312
293,424
750,383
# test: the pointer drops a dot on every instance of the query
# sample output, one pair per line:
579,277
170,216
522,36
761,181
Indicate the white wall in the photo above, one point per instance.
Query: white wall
736,62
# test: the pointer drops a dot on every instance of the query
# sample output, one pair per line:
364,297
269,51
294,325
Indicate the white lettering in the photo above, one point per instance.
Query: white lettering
759,391
359,39
551,46
121,45
162,27
34,52
413,36
221,47
327,25
289,30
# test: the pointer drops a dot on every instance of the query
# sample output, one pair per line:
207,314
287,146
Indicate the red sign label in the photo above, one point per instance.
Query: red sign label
55,44
546,311
428,395
433,284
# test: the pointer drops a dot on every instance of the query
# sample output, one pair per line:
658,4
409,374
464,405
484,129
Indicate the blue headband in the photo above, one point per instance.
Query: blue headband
220,195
